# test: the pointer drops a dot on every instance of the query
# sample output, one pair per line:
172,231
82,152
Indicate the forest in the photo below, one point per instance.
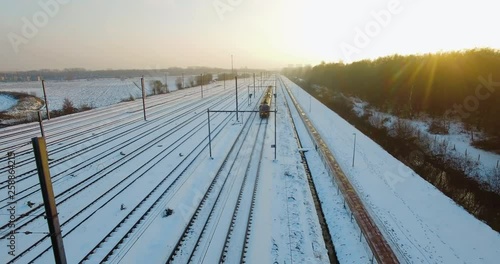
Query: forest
447,86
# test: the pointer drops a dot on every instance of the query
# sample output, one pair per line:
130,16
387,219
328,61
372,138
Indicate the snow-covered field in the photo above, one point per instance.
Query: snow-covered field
96,92
6,102
421,223
127,157
458,142
149,166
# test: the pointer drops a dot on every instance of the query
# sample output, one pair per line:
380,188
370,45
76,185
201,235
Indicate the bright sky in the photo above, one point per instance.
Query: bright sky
124,34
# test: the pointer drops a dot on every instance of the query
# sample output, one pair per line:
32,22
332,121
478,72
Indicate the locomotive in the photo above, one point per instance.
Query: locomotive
265,104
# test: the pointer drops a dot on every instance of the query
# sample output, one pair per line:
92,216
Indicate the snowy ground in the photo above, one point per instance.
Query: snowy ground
6,102
421,223
458,142
96,92
153,165
164,163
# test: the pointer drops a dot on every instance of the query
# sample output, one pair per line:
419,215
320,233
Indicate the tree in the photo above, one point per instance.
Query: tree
158,87
68,107
178,83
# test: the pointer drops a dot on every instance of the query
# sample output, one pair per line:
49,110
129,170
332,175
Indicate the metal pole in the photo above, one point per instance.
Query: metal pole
275,143
41,125
201,81
209,135
261,84
254,83
354,149
143,97
46,101
236,81
310,99
42,164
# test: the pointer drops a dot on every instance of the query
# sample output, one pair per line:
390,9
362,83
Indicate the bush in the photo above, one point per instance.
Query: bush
68,107
158,87
495,180
439,127
402,129
85,107
178,83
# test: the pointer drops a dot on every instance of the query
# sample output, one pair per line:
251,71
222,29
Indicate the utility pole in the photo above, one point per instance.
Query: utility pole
46,101
354,149
232,69
254,83
42,164
143,97
236,81
261,84
209,134
41,124
201,81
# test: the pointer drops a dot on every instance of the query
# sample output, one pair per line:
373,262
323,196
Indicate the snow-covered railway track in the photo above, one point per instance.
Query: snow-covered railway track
108,119
317,203
127,231
104,112
72,220
21,193
238,233
381,250
216,198
111,192
82,145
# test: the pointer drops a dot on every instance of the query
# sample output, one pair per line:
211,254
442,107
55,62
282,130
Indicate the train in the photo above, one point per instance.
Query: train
265,104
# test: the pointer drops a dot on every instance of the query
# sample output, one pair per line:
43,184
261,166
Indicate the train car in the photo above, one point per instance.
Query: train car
265,104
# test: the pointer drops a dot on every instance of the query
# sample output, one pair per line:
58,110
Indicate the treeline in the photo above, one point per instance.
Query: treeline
452,85
80,73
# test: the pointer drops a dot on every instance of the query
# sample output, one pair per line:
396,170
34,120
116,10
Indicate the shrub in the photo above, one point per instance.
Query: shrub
439,127
68,107
85,107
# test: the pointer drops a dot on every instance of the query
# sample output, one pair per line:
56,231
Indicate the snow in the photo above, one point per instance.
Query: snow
125,159
6,102
421,223
458,141
95,92
165,159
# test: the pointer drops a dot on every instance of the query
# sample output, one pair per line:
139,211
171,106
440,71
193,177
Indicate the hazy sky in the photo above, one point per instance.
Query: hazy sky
121,34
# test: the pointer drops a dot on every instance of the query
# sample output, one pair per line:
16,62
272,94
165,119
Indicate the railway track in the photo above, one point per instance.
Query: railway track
317,203
104,137
116,122
65,200
198,234
91,147
381,250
